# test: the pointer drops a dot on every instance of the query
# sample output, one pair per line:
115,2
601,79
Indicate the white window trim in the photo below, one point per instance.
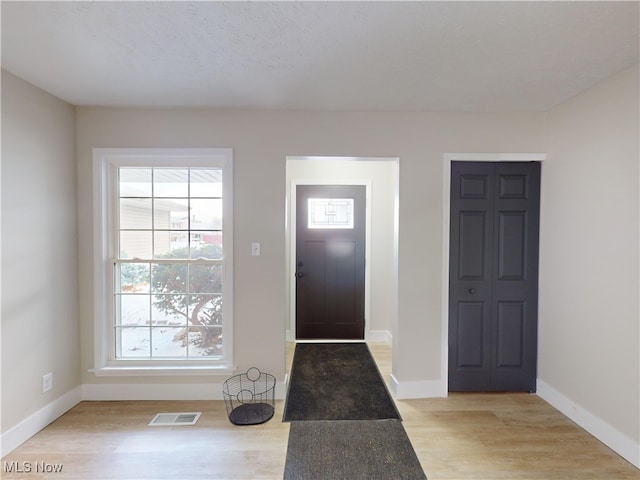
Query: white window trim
105,160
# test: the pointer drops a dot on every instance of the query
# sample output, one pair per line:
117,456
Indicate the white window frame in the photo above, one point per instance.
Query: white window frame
106,162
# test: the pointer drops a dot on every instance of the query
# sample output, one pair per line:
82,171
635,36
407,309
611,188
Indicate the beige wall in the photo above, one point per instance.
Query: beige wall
261,141
40,329
589,326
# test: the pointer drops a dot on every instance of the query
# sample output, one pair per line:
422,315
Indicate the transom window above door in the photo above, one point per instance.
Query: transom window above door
330,213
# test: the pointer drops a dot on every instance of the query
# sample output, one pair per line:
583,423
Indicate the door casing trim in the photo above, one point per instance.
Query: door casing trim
446,212
291,330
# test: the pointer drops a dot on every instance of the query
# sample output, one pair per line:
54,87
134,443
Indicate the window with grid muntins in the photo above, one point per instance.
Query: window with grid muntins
168,260
168,274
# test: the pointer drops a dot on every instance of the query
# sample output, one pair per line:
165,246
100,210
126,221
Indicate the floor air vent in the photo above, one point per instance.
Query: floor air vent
174,419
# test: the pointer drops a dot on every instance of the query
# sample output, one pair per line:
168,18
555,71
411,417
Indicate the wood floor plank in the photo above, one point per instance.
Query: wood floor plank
464,436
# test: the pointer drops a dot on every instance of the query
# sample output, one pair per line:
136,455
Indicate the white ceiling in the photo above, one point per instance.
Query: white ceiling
437,56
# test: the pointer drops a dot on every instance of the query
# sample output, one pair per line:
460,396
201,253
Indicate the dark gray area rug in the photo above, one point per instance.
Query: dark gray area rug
336,381
360,449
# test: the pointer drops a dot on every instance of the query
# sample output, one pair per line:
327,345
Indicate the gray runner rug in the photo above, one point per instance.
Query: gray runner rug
351,450
336,381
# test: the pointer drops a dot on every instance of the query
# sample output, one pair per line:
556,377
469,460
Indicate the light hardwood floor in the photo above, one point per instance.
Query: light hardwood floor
464,436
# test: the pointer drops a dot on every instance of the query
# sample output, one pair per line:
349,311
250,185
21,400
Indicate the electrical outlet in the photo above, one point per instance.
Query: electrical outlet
47,382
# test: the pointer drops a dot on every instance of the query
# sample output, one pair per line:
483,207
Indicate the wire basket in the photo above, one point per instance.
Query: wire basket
249,397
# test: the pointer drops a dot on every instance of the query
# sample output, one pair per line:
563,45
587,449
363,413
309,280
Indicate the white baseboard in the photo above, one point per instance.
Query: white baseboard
619,442
156,391
31,425
151,391
379,336
416,389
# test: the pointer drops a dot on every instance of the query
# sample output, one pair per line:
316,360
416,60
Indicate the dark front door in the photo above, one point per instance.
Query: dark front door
493,272
330,261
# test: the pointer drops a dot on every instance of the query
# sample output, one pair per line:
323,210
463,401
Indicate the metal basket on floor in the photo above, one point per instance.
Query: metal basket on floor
249,397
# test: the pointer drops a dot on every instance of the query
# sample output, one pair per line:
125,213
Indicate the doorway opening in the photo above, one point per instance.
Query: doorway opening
379,179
